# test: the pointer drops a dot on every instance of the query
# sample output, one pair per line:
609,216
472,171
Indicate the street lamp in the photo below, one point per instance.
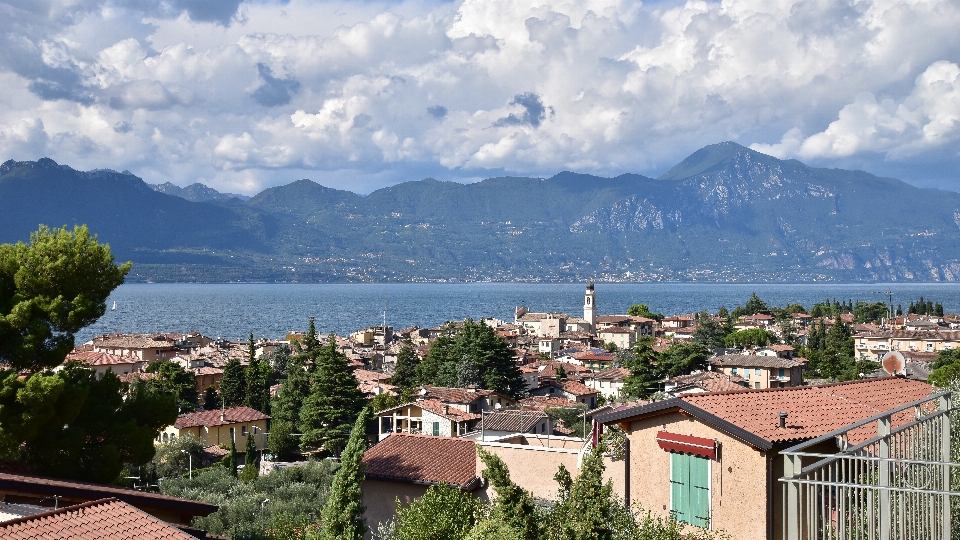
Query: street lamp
190,457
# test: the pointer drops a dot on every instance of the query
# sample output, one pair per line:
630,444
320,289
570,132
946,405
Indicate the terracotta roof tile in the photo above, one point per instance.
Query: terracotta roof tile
710,381
613,374
422,458
105,519
212,417
92,358
453,395
753,360
450,413
365,375
572,387
516,420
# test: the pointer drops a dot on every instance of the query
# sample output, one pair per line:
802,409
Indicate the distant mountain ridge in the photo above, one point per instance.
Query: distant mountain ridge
725,213
196,192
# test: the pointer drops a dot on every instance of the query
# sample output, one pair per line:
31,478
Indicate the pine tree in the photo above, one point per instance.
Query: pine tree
342,515
645,376
334,401
285,409
211,399
405,375
233,384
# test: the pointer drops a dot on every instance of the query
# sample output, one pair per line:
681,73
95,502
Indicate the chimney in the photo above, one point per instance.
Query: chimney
783,419
446,409
223,416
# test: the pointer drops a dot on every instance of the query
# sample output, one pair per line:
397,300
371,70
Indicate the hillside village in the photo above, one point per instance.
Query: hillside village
714,432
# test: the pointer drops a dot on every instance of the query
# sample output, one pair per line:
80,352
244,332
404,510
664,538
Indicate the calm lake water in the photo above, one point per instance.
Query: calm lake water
269,310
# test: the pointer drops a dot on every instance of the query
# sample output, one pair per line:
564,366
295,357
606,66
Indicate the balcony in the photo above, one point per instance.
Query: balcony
899,483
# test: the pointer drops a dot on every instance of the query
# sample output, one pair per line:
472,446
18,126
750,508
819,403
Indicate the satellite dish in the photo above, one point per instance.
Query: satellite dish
894,364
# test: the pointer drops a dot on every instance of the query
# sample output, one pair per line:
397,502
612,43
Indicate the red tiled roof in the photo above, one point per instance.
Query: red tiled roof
753,360
546,402
613,374
104,519
516,420
219,417
130,377
812,410
711,381
780,347
422,458
572,387
365,375
73,491
92,358
452,413
615,330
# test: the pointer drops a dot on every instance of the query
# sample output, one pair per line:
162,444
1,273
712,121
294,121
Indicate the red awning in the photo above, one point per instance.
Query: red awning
686,444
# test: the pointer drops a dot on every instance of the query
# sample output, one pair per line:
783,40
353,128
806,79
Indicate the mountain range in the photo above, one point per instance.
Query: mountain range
725,213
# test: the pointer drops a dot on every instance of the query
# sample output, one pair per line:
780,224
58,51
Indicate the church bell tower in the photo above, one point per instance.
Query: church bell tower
590,307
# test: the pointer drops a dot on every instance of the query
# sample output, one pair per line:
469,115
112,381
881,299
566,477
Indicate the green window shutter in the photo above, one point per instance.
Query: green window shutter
690,489
436,428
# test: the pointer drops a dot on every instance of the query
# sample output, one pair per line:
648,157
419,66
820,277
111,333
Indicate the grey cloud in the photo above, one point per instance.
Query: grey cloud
60,83
437,111
123,127
533,111
274,92
218,11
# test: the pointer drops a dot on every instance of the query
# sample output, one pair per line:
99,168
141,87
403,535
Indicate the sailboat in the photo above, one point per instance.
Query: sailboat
114,308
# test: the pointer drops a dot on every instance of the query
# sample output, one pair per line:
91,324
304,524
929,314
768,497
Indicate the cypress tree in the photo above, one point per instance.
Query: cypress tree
334,401
233,384
232,458
342,515
250,461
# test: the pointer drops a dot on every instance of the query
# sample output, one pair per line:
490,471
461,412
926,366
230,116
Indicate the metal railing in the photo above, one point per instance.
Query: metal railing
894,481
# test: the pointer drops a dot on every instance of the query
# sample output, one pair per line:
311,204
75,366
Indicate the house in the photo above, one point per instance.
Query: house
373,382
713,458
43,492
220,426
428,416
504,422
104,519
403,466
873,346
146,347
572,390
593,359
761,320
608,382
623,338
677,321
468,399
760,371
704,381
801,320
779,350
102,362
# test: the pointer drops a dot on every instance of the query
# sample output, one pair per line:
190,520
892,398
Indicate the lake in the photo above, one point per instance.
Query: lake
232,311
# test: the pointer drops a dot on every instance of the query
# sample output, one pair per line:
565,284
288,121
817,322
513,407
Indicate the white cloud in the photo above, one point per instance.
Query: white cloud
383,92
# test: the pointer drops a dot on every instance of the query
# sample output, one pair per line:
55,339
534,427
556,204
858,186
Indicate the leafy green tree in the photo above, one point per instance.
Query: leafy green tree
443,513
386,400
472,352
405,374
641,310
259,377
233,384
753,306
343,513
490,528
171,378
751,337
571,417
645,376
278,359
682,358
561,373
50,288
172,459
334,401
708,332
96,426
296,498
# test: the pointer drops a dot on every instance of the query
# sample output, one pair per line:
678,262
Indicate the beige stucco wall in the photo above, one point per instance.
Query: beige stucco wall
220,435
380,500
533,467
739,484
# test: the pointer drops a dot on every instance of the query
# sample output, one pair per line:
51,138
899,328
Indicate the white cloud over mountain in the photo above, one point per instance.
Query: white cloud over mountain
358,95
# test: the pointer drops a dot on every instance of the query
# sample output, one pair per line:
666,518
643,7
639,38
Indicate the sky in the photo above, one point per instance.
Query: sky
242,95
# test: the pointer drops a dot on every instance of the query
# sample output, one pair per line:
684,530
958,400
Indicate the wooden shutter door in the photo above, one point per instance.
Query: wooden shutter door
699,491
679,491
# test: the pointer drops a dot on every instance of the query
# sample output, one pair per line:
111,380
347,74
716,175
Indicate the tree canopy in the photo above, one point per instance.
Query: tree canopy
171,378
50,288
334,401
70,424
471,353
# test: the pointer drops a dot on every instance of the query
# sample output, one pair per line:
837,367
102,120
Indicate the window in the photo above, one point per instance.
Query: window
756,384
690,489
781,373
233,435
243,431
756,371
734,371
436,429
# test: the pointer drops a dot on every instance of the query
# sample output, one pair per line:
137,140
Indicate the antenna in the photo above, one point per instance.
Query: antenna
384,319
